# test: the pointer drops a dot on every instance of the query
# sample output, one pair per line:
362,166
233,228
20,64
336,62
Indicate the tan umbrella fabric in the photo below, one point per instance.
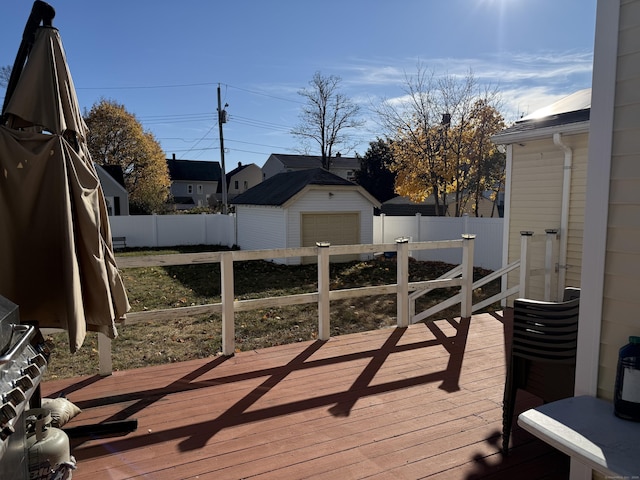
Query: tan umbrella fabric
56,257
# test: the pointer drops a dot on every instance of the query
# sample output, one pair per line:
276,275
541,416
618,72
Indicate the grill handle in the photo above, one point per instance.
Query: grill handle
27,331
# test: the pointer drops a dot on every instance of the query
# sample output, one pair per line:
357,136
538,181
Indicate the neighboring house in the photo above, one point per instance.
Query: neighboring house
403,206
193,183
115,193
344,167
545,187
241,179
298,209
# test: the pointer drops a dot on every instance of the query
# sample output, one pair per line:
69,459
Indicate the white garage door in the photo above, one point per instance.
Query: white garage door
335,228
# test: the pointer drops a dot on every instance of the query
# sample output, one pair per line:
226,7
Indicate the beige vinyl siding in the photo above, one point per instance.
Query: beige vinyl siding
536,205
579,145
621,302
536,198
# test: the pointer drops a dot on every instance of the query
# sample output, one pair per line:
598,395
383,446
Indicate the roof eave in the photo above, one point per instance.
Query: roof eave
541,133
309,187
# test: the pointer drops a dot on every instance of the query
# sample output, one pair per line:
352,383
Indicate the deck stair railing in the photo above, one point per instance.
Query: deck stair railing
406,292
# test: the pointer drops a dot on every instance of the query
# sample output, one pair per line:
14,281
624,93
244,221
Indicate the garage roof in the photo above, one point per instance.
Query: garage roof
276,190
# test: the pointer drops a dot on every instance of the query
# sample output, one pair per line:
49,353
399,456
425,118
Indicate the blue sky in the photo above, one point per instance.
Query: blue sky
164,60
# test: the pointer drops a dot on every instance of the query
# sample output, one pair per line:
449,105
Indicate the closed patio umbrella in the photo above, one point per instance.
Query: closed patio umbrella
56,257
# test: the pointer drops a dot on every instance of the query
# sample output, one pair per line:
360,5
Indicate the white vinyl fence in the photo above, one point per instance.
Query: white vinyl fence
216,229
171,230
488,232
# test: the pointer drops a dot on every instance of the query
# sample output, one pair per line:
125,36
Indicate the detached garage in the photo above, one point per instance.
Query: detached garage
298,209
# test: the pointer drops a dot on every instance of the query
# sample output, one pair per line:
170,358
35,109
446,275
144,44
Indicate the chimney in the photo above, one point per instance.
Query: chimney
174,156
239,164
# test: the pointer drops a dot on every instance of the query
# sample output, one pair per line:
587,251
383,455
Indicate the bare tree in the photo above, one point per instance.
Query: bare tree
433,127
5,74
326,115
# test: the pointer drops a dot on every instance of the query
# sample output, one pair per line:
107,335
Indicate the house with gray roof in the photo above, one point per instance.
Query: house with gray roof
545,187
193,183
299,208
344,167
241,179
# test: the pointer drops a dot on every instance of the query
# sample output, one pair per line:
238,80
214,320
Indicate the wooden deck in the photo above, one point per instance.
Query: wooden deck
420,402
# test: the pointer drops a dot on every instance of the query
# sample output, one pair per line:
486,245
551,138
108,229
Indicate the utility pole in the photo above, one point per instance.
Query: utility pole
222,118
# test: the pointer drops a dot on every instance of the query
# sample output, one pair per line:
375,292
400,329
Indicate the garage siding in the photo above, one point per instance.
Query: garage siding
261,227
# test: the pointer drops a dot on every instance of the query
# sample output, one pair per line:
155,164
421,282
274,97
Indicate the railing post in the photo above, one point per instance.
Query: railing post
466,304
227,297
525,263
105,359
548,262
382,218
323,291
402,266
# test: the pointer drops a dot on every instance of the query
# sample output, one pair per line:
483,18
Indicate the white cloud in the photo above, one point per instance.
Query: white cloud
527,80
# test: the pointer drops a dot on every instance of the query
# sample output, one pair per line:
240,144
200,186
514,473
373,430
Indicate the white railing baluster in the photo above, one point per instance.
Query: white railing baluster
323,291
466,289
105,360
402,266
227,295
525,263
548,262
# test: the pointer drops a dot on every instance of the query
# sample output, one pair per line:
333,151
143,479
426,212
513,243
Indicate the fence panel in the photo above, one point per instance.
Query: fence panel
207,229
170,230
488,231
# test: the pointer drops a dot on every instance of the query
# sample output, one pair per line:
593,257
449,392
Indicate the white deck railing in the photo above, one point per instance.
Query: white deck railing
406,292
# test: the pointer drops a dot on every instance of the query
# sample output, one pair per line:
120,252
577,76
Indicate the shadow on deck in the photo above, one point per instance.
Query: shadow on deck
417,402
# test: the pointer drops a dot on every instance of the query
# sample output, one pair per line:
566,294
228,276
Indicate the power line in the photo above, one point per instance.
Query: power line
255,92
201,139
259,123
143,87
190,85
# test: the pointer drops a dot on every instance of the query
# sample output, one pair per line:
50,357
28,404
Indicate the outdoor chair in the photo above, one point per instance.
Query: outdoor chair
543,353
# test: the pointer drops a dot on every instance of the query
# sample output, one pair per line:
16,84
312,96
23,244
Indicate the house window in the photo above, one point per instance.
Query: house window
246,185
189,188
199,189
350,175
109,202
235,184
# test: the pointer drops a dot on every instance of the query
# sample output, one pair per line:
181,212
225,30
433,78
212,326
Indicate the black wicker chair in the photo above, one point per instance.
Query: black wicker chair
543,353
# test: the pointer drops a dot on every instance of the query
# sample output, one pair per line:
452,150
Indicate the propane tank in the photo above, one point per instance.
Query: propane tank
49,452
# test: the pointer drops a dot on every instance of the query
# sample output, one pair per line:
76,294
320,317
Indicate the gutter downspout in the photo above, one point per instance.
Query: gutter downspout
564,215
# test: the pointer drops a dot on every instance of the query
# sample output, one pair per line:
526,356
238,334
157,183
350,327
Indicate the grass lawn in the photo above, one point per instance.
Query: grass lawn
153,343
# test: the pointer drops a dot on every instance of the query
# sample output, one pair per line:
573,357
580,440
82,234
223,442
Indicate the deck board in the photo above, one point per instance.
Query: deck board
420,402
